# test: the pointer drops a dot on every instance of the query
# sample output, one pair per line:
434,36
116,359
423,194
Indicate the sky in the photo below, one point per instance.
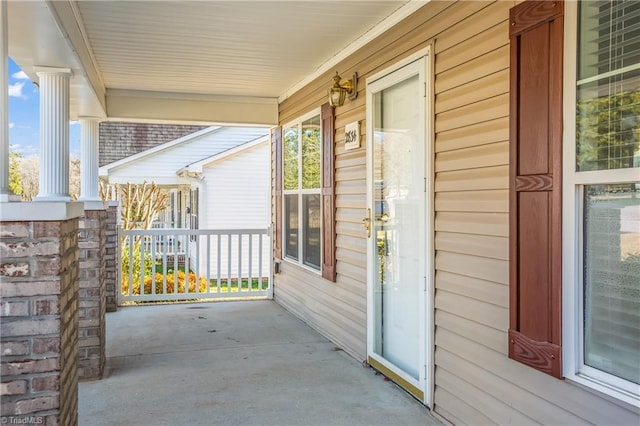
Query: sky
24,116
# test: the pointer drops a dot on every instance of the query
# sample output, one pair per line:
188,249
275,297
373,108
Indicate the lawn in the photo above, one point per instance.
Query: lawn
256,285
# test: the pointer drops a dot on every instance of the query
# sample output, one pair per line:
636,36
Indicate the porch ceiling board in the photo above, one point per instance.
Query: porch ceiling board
255,48
211,62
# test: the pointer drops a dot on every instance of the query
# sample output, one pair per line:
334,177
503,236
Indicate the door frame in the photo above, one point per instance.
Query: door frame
426,382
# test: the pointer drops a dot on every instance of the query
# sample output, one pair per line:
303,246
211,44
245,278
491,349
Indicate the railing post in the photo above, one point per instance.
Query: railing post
119,266
270,283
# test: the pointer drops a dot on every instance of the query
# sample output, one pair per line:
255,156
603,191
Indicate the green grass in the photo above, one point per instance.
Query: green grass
170,269
224,285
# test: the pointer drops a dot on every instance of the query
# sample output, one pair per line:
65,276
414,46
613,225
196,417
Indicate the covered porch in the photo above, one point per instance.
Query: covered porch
473,271
246,362
59,257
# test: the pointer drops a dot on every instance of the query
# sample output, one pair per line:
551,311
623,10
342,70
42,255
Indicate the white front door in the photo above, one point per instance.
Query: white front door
397,210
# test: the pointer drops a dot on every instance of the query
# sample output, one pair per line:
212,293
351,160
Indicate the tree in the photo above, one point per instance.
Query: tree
140,204
290,160
311,137
26,172
15,182
29,172
74,177
608,135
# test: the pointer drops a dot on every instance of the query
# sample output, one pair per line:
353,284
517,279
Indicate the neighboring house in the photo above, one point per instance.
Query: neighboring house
120,140
182,166
218,179
234,194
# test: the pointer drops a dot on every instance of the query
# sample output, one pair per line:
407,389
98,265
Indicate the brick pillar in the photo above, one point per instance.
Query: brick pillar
92,296
39,321
111,261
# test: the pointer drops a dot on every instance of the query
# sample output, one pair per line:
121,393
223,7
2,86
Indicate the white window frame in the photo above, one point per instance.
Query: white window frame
300,192
573,185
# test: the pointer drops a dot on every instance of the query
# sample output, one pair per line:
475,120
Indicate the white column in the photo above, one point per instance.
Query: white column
5,193
54,134
89,137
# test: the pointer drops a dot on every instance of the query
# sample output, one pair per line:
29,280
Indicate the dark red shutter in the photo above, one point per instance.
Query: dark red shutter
328,195
535,272
276,141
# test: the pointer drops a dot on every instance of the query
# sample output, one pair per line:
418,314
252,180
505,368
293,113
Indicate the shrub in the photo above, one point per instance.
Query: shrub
126,264
158,280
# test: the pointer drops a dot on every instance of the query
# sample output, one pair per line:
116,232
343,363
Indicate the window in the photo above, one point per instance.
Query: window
176,208
602,197
194,211
309,204
302,142
575,242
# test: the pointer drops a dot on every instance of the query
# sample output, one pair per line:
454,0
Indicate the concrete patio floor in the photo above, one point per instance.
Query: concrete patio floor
234,363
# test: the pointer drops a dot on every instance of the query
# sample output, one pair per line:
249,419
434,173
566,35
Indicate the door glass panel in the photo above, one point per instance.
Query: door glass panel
398,224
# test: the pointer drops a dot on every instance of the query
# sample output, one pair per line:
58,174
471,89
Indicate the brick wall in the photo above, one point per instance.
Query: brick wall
92,301
120,140
39,322
111,261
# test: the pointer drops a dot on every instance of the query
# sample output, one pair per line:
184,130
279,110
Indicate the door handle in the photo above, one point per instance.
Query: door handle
366,222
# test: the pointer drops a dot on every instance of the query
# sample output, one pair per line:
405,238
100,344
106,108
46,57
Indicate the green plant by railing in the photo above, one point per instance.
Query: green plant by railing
133,260
154,275
159,279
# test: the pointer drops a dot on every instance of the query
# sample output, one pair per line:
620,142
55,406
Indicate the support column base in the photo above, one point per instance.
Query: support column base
9,198
39,332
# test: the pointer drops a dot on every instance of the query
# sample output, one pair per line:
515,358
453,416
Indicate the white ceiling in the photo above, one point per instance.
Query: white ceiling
234,49
250,48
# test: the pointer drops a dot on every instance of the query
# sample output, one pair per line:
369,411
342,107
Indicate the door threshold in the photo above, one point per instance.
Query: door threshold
395,378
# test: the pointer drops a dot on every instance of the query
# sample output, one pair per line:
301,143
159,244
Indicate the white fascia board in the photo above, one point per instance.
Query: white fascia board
160,181
199,165
140,105
58,42
406,10
104,170
72,26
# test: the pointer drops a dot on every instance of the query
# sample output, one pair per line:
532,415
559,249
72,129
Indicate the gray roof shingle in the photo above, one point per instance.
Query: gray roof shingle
119,140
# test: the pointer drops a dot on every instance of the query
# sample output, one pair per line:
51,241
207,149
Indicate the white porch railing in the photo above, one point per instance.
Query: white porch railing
191,264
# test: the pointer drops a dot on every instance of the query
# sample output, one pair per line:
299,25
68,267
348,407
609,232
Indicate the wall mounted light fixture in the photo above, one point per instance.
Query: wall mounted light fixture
340,90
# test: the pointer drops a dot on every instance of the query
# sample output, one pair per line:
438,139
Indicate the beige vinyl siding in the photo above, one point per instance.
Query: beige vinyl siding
338,313
475,381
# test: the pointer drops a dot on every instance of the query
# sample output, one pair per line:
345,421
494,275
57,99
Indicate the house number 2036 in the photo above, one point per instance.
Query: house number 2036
352,135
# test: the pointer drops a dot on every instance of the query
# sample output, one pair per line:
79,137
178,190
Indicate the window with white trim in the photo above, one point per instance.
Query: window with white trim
602,187
301,173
